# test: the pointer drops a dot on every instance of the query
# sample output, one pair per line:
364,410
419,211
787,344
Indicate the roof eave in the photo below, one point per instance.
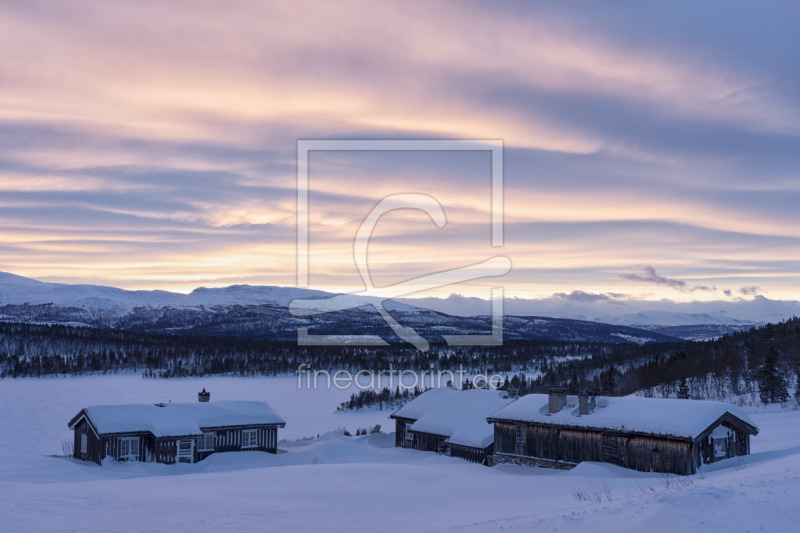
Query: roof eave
83,415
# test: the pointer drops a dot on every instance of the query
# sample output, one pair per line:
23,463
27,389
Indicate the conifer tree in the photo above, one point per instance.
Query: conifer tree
771,379
797,386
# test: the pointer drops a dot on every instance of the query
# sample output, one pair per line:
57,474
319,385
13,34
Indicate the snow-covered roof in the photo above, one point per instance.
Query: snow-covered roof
679,418
425,402
459,415
178,419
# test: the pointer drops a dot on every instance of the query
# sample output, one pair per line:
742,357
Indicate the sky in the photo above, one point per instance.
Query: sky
650,149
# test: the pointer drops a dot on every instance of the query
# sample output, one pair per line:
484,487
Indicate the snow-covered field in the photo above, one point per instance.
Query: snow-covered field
339,483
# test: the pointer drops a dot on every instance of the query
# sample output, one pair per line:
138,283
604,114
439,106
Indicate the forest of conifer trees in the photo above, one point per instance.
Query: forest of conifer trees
763,361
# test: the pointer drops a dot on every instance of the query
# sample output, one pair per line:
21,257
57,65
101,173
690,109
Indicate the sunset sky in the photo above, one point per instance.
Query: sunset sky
652,149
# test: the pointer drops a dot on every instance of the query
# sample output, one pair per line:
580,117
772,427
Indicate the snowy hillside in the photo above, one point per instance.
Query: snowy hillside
346,484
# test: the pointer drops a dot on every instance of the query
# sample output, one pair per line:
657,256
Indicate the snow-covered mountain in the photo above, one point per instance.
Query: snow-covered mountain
263,312
17,290
670,318
689,326
733,313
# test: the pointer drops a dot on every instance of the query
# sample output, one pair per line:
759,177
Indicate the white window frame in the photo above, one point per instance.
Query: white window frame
409,434
186,454
129,443
84,443
249,438
207,442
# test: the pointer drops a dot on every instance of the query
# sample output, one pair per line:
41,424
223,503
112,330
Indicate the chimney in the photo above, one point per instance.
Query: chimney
203,396
558,400
585,403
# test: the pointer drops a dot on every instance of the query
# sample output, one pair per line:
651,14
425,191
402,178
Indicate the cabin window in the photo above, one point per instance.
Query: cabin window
249,438
84,443
519,447
206,442
409,435
129,448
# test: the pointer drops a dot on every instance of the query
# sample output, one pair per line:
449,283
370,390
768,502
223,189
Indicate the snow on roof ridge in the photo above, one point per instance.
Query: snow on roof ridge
179,419
662,416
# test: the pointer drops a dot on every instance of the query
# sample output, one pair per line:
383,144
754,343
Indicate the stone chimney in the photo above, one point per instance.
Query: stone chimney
558,400
203,396
585,403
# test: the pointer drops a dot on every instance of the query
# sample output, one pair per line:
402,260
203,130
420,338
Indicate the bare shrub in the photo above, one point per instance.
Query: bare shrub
606,490
582,495
593,494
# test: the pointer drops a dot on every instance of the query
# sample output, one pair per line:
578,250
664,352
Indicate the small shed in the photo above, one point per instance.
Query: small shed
450,422
651,435
174,432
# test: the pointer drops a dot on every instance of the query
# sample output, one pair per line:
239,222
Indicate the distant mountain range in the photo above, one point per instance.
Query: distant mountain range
263,312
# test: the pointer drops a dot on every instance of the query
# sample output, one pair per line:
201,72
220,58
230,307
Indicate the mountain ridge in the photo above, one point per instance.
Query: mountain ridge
262,312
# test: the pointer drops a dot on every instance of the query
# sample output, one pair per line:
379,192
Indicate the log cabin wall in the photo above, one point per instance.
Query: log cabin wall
93,443
474,455
571,445
165,449
428,442
401,438
230,439
111,446
435,443
271,435
504,438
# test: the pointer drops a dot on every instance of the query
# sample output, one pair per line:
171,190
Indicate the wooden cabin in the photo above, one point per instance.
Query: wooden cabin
650,435
174,432
450,422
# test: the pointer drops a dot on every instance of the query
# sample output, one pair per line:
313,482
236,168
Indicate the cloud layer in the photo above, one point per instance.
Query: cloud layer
153,145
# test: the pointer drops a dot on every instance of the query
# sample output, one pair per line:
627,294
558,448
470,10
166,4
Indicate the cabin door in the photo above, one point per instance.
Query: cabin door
186,451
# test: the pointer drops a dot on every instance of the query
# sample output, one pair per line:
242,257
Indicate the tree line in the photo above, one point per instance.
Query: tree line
763,361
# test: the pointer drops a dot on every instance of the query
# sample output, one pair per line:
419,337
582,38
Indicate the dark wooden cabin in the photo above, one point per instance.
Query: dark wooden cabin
174,432
650,435
450,422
